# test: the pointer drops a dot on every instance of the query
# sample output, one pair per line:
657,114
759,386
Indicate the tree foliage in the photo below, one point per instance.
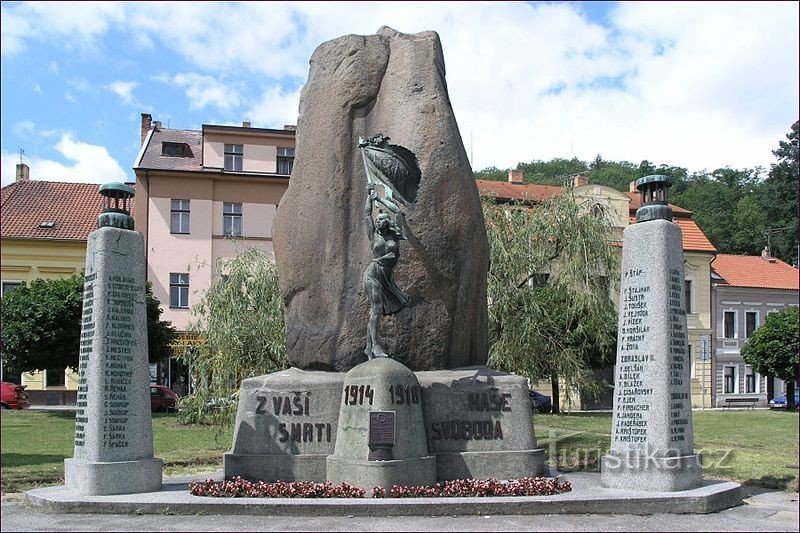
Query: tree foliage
552,269
238,332
773,349
740,210
42,325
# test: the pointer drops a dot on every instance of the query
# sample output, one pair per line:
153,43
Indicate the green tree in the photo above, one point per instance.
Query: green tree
773,349
238,332
550,312
779,198
42,325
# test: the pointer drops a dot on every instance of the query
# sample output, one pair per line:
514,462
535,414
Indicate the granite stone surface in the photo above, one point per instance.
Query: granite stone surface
358,86
651,434
113,426
381,405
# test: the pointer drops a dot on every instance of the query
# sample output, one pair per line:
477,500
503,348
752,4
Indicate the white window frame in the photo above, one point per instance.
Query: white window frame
232,216
735,323
692,373
183,209
181,288
284,155
735,379
233,157
758,321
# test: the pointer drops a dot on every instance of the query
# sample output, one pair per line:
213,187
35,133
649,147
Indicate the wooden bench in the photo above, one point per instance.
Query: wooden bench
736,401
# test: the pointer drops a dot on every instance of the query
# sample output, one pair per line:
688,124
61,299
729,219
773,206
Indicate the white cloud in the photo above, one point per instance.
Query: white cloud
85,163
699,84
274,109
202,91
124,89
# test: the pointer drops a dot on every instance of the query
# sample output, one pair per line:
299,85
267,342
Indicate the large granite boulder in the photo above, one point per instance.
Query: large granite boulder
359,86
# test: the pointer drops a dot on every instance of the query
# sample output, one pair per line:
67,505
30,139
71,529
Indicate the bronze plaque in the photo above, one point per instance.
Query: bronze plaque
381,428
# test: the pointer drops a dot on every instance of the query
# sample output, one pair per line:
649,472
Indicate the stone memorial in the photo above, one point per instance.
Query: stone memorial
386,332
113,425
357,87
651,434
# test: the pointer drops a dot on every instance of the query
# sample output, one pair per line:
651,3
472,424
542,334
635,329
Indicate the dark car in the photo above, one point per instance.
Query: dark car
162,399
540,402
14,396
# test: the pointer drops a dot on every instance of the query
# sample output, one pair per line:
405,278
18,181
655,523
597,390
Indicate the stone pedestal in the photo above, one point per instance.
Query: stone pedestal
479,424
381,438
286,426
651,434
113,425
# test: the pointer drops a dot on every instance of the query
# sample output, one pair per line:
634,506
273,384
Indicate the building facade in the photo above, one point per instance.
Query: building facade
745,290
200,195
620,209
44,230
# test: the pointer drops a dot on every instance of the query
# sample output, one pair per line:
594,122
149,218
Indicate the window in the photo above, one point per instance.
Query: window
729,325
9,286
234,155
729,380
179,290
687,296
54,377
750,323
232,219
285,160
749,379
179,220
175,149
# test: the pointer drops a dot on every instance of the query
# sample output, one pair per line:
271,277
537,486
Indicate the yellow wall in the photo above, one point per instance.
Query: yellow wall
29,259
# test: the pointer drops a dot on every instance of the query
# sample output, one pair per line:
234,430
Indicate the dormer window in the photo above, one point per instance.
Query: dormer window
47,224
175,149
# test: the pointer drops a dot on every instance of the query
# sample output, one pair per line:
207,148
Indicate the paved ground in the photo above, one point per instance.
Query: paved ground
762,511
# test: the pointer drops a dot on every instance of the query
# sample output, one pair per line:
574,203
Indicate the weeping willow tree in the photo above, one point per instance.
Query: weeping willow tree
553,266
238,332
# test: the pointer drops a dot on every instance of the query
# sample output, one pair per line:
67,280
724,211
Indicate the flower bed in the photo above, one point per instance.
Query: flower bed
241,488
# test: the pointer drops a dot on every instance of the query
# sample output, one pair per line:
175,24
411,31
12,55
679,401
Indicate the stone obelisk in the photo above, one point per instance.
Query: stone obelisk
651,433
113,424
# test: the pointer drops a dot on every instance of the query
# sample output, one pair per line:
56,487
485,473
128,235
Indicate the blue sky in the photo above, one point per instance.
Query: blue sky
701,85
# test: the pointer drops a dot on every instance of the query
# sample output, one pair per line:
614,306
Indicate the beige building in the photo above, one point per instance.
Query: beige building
201,194
43,234
620,208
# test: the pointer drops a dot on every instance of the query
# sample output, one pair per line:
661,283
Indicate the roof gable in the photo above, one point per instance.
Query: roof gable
755,271
50,210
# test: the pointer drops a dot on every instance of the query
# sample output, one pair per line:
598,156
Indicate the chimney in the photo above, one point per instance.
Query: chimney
632,187
156,124
580,181
246,124
765,253
147,121
515,177
290,127
23,172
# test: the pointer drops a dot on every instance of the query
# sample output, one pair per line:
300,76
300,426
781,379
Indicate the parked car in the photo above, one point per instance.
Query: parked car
14,396
540,402
780,401
162,399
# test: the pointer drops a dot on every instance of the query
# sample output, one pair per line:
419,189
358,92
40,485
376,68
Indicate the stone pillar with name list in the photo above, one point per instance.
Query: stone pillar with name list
113,425
651,433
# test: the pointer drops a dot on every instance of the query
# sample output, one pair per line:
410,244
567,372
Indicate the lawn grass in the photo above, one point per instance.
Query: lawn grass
751,447
35,443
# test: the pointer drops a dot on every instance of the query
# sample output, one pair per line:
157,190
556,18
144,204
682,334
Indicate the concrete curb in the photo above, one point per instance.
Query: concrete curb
587,497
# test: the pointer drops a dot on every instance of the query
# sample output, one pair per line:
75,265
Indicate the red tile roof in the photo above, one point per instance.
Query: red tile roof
27,205
694,240
527,192
755,271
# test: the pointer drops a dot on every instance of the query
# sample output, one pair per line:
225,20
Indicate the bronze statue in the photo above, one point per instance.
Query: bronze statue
396,170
